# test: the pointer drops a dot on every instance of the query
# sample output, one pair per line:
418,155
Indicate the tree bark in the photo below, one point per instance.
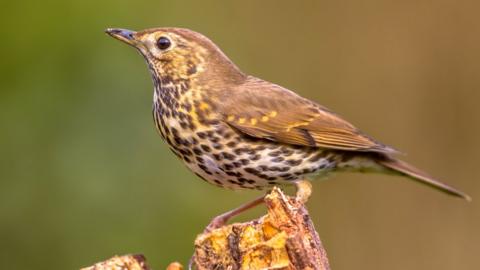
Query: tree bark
285,238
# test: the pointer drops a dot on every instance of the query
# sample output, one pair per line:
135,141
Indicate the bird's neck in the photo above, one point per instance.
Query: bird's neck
169,92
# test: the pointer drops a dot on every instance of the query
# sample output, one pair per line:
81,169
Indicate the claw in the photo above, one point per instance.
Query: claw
217,222
222,219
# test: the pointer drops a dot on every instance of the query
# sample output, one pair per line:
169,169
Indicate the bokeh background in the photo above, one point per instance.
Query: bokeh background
84,176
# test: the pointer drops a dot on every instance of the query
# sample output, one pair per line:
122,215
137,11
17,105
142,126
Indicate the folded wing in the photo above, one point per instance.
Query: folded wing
265,110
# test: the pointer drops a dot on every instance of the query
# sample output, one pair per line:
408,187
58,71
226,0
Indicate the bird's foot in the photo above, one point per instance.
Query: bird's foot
217,222
222,219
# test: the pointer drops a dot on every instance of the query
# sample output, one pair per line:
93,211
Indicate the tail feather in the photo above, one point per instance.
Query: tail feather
417,175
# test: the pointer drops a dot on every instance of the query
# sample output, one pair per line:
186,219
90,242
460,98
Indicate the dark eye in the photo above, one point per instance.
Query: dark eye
163,43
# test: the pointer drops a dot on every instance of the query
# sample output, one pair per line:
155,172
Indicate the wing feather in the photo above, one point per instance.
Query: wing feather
265,110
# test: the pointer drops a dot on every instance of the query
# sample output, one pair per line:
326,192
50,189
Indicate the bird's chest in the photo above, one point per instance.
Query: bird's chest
176,116
175,127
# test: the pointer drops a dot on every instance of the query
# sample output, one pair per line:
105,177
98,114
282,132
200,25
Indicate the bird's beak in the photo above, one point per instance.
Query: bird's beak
124,35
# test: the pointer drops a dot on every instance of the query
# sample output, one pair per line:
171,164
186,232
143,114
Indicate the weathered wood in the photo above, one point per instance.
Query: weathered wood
126,262
285,238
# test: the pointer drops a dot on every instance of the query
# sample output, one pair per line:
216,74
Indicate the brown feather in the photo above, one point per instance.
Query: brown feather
265,110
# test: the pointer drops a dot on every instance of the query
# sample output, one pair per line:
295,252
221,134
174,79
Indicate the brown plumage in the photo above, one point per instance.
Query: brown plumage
275,113
237,131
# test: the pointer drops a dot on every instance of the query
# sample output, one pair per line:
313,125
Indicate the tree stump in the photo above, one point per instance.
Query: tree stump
285,238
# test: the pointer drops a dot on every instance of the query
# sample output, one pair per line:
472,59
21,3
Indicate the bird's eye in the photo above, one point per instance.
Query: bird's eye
163,43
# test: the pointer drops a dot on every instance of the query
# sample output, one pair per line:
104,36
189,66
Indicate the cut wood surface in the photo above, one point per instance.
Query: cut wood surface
284,238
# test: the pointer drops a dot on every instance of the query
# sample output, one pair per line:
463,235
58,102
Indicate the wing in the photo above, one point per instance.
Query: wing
265,110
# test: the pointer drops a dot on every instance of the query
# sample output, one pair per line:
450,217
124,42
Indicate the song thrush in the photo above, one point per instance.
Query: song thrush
238,131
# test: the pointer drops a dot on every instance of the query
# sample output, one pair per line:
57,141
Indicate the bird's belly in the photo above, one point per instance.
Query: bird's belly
231,160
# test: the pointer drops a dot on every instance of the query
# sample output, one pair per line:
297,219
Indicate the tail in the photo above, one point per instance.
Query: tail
406,169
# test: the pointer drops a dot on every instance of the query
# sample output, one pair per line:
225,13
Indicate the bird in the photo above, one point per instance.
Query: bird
237,131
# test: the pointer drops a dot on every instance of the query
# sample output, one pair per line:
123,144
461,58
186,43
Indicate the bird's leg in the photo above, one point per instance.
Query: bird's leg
304,190
222,219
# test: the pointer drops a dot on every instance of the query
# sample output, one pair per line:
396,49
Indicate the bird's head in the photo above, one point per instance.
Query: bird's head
178,54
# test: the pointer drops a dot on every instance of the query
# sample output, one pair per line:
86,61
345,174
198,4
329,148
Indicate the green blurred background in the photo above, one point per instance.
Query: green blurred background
84,176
